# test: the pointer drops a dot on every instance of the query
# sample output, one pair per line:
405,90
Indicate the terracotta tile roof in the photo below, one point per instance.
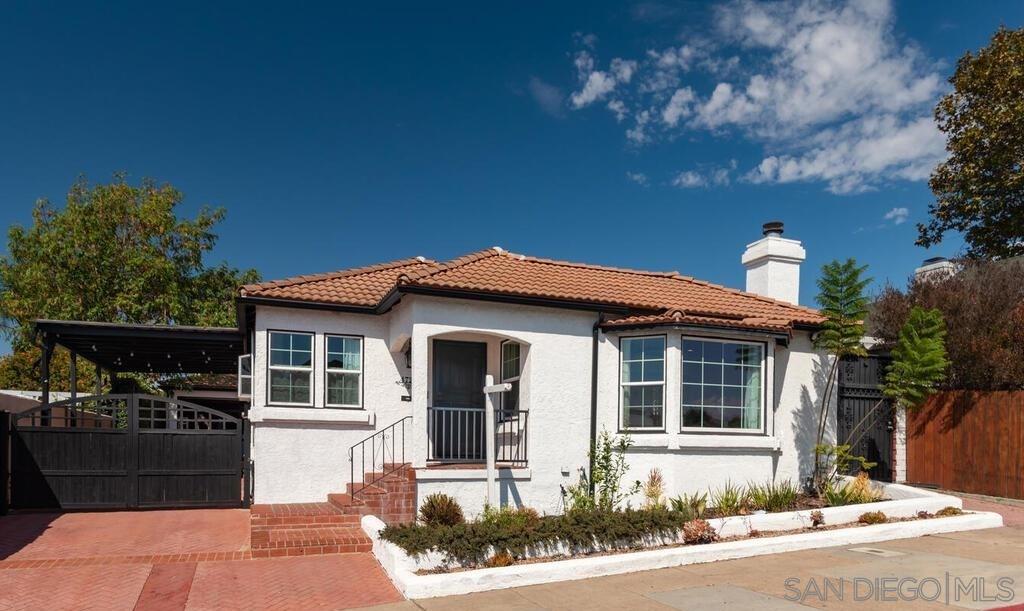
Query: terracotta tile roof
653,297
362,286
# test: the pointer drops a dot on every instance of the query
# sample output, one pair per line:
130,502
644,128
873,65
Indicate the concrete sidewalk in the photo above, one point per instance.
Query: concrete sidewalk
978,558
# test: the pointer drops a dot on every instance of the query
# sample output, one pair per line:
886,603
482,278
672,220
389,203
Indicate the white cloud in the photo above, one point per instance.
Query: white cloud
713,177
549,97
678,107
828,87
597,84
689,180
639,178
852,158
898,216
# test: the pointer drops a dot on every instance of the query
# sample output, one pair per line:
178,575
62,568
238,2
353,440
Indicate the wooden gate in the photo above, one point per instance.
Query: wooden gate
124,451
859,392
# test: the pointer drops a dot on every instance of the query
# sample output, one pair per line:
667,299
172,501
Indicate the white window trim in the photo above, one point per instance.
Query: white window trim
329,370
764,388
663,383
309,370
238,382
515,378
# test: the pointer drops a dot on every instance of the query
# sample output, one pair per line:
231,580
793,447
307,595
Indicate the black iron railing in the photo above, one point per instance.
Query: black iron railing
456,435
385,448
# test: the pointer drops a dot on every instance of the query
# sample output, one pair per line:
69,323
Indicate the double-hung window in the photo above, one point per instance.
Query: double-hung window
245,376
511,369
344,370
723,385
643,382
291,368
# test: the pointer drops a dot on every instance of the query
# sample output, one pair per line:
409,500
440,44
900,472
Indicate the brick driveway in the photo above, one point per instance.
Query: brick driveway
170,560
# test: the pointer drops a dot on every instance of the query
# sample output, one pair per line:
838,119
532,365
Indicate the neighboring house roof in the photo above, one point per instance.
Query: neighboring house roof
633,298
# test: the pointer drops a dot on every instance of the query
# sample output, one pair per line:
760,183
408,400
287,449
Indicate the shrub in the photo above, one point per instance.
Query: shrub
730,499
945,512
441,510
654,489
817,518
924,515
608,457
859,490
873,517
500,559
834,462
473,543
698,531
690,506
773,496
510,517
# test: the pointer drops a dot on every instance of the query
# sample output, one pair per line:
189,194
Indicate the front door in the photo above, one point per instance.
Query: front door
456,420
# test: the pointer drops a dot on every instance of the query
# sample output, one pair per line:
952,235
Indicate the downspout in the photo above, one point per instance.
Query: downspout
596,332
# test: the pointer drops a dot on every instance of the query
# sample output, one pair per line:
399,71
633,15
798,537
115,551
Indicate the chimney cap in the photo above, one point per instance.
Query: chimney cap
772,228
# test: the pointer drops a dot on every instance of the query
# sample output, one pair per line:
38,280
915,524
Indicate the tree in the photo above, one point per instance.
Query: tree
919,364
979,189
983,306
116,252
842,302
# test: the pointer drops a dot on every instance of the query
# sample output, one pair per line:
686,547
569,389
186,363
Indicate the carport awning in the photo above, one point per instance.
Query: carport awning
148,348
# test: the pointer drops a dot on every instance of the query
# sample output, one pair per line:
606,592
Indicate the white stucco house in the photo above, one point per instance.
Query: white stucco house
711,383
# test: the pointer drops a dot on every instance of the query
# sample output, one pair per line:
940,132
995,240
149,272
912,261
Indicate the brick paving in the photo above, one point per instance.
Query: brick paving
195,559
324,582
83,587
123,533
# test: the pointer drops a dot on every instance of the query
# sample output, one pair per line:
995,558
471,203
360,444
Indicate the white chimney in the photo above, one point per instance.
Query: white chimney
773,265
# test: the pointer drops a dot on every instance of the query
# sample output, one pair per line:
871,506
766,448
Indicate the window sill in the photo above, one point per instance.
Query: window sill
729,442
312,414
430,475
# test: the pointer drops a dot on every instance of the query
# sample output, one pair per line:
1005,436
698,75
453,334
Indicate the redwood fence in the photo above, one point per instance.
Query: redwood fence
969,441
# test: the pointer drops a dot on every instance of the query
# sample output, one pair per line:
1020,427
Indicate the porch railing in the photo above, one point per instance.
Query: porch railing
380,455
456,435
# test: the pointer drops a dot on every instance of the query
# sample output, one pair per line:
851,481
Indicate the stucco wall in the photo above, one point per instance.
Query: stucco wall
299,457
694,462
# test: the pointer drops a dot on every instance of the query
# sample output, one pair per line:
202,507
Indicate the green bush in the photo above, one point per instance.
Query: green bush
730,499
690,506
441,510
510,517
773,496
858,490
602,490
473,543
873,517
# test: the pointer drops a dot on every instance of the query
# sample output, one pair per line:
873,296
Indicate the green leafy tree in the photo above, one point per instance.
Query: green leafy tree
979,189
116,252
919,365
842,302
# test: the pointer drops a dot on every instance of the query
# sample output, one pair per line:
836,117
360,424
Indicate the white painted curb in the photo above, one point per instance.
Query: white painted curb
401,568
905,502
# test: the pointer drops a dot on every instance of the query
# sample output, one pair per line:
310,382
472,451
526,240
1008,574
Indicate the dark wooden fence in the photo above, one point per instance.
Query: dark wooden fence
970,442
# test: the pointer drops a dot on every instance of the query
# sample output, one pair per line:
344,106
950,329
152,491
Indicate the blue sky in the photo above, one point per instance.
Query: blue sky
650,135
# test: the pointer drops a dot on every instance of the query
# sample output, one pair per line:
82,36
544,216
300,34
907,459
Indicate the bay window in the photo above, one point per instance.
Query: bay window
642,381
343,371
722,385
290,365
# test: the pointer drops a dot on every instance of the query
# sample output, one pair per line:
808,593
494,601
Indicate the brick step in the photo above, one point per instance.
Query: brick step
338,519
346,539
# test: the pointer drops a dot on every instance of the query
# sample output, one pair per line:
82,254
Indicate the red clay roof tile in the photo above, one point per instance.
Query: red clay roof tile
657,297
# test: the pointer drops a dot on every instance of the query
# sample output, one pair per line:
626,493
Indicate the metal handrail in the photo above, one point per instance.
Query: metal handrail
378,439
